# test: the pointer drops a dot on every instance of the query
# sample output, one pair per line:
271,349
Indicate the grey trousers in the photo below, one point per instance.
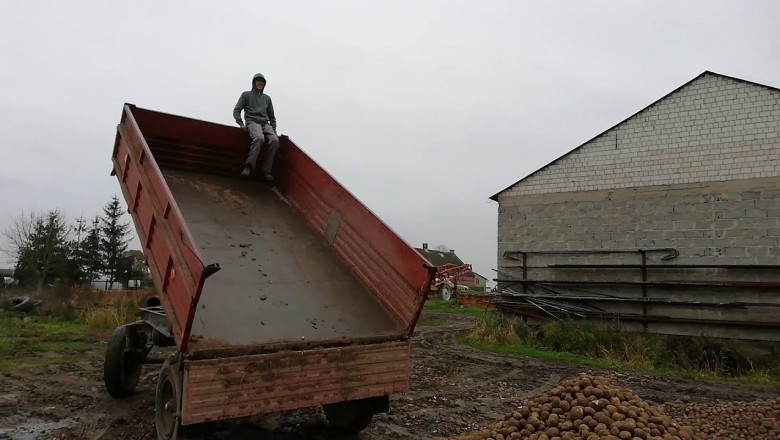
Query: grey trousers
260,133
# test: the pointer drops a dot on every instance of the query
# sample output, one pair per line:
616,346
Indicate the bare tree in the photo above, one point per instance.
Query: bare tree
19,234
38,243
442,248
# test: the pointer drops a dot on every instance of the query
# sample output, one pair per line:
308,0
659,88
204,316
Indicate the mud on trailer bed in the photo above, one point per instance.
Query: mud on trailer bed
276,297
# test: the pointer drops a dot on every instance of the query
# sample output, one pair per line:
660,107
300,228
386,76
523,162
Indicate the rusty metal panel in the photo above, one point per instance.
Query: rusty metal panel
397,275
279,280
182,240
192,145
227,388
177,270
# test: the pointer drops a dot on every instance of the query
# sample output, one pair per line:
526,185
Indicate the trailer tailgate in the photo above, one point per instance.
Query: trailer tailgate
219,389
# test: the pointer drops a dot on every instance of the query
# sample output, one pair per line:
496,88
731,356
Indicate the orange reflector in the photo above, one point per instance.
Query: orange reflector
173,275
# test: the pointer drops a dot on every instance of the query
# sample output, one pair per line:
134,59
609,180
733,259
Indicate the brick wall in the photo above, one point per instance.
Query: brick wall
713,129
473,281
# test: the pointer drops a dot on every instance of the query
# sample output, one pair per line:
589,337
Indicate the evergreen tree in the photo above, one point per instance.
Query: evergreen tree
91,255
134,267
113,240
76,257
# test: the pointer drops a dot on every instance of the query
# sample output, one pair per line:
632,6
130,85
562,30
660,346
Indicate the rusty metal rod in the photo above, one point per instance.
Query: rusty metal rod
740,304
518,307
661,266
672,253
675,283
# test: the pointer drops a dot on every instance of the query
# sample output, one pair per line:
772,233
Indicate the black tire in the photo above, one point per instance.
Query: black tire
347,417
445,292
121,370
21,303
167,404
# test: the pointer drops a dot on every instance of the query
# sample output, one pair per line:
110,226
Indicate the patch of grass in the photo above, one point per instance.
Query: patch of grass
6,304
37,340
451,306
572,358
110,317
604,340
431,322
66,311
520,350
8,365
608,345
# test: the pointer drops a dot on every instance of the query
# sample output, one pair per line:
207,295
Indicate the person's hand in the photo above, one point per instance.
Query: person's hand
243,127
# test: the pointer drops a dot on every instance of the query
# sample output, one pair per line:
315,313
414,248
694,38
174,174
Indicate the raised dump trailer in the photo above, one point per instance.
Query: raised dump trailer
277,297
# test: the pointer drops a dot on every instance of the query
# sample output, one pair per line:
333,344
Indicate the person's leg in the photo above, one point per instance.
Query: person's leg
256,135
273,146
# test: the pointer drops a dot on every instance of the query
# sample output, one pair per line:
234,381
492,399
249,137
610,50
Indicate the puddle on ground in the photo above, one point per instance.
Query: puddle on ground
34,429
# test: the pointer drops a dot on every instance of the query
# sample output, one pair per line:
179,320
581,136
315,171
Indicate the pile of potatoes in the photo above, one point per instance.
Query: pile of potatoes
588,408
731,420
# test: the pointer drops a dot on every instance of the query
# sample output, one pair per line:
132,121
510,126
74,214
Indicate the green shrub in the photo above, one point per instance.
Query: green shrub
525,332
500,329
606,340
568,337
63,310
69,312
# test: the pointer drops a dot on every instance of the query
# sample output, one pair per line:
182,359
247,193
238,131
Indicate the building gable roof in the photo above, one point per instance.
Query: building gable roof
494,197
479,276
437,258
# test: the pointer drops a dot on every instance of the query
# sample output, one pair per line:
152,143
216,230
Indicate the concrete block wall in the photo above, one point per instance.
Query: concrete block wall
713,129
715,224
735,222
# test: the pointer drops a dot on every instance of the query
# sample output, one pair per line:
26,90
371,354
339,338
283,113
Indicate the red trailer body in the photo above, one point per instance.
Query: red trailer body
278,297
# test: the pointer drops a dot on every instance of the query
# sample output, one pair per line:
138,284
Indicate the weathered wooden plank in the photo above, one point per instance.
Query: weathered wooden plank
218,389
207,414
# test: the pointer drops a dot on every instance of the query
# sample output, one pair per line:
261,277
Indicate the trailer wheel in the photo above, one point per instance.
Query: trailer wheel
167,404
121,369
445,292
348,417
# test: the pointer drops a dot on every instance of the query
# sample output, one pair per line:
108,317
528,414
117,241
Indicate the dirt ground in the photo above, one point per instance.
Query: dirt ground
454,389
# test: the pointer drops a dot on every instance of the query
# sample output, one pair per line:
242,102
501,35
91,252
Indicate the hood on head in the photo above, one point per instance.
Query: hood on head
258,76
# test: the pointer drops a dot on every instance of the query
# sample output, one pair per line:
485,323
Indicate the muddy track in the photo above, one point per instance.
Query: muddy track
454,389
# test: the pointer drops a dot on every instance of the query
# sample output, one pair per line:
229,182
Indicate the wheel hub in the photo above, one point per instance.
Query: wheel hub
170,413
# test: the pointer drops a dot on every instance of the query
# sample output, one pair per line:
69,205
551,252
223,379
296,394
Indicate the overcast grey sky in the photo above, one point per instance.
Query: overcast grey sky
423,109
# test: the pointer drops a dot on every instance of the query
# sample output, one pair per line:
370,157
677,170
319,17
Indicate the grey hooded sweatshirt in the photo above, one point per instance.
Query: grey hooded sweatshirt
257,106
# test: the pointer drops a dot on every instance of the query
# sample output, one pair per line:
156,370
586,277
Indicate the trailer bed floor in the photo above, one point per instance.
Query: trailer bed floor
279,281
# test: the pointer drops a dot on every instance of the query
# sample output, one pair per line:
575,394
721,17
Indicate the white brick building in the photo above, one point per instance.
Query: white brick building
697,171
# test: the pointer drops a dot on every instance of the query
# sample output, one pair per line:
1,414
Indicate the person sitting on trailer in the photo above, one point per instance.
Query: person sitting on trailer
261,125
